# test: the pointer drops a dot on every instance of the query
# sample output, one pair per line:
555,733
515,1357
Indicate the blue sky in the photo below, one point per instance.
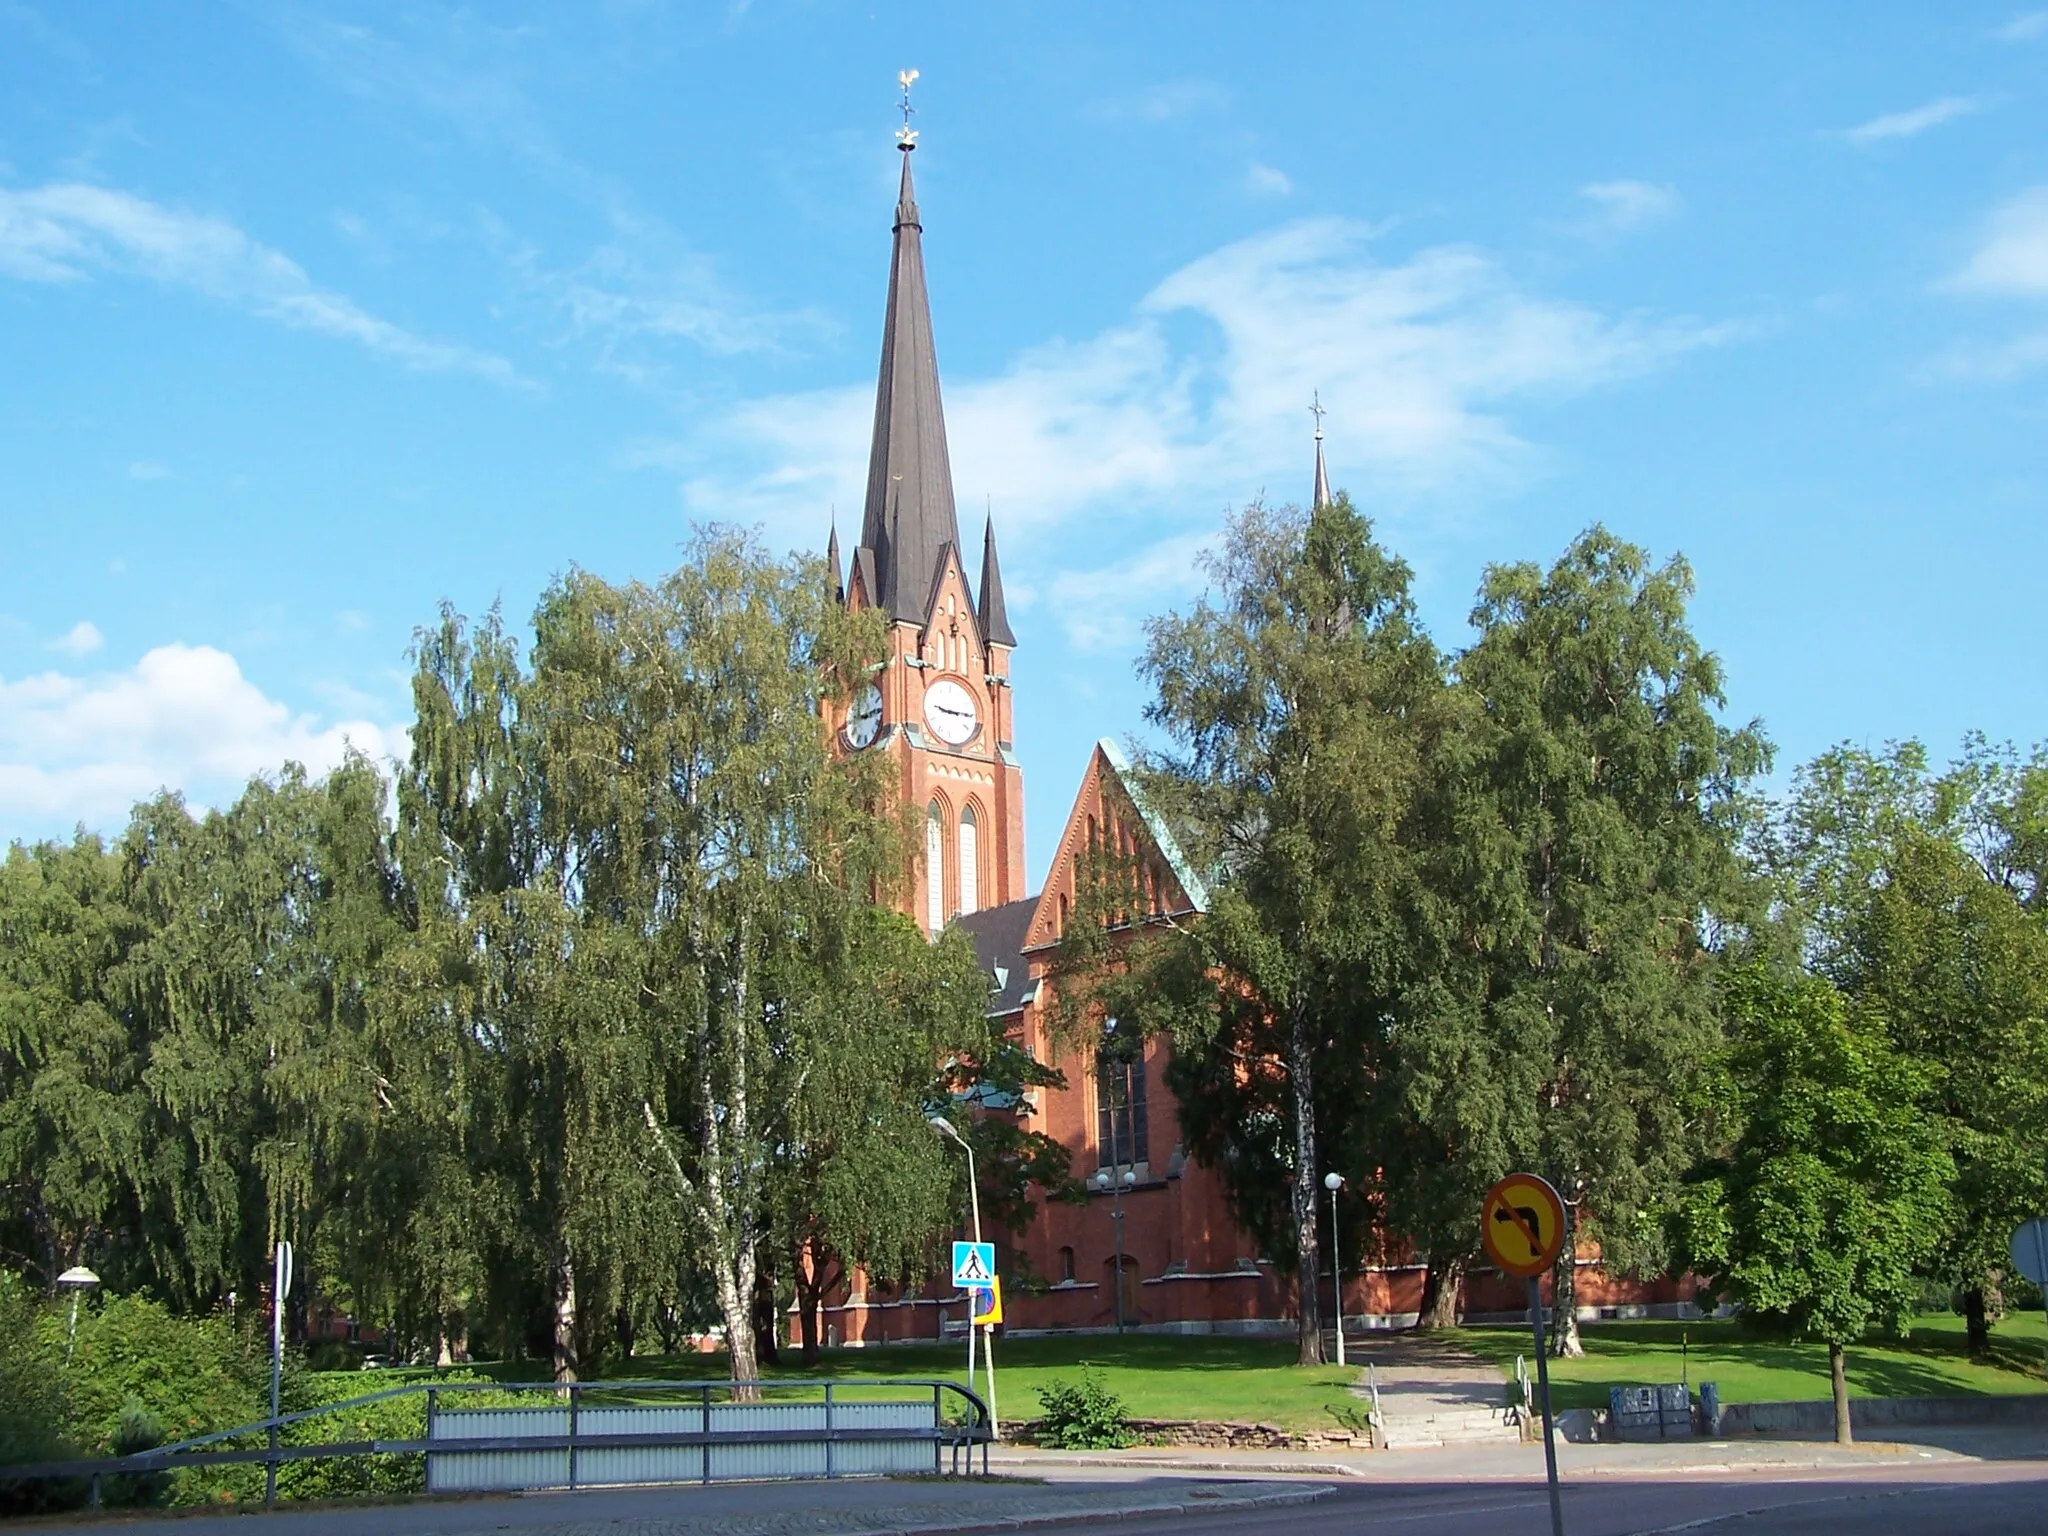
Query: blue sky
314,315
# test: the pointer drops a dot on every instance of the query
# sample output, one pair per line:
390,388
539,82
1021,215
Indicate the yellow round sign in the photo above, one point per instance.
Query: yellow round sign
1521,1225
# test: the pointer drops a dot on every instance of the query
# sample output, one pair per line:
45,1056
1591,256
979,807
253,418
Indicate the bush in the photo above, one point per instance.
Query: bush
1083,1415
397,1418
32,1407
191,1375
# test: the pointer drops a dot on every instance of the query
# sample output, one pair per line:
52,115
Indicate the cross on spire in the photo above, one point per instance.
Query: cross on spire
1322,491
906,136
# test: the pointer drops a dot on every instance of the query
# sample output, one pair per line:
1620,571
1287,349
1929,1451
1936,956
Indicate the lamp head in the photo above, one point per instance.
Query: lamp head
1101,1180
78,1277
1130,1178
1333,1182
945,1128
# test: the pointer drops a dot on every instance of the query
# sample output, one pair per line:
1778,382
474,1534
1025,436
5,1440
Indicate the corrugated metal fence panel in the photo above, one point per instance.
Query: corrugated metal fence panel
640,1463
474,1471
776,1458
873,1457
479,1471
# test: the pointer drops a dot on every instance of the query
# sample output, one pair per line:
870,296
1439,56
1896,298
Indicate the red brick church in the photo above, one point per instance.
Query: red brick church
1156,1248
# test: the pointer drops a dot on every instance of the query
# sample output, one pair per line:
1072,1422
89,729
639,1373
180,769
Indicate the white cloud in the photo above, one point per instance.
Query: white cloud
86,749
2025,27
146,469
1199,399
1904,125
66,231
2012,258
82,639
1266,181
1416,361
1095,607
1627,204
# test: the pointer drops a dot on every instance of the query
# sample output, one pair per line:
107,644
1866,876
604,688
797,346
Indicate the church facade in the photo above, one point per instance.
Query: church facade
1153,1247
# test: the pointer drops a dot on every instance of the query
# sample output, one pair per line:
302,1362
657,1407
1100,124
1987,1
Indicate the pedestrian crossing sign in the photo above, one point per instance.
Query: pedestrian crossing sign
974,1265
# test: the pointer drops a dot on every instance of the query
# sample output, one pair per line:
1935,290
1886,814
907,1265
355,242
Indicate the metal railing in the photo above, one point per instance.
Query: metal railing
968,1427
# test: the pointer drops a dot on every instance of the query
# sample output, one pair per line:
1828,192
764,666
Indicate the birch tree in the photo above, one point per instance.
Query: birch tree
1298,697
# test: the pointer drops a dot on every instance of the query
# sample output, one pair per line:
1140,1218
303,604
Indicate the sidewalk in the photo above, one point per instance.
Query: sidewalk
1487,1462
858,1506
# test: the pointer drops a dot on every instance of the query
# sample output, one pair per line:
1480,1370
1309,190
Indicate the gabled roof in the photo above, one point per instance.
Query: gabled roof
1107,765
909,517
998,935
1155,825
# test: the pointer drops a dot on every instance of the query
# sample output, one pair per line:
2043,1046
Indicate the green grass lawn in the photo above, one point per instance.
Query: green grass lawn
1157,1377
1930,1362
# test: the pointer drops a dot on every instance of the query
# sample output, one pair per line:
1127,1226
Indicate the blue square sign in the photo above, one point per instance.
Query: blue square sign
974,1265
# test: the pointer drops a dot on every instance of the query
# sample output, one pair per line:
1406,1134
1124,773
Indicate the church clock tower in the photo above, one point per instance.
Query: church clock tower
940,705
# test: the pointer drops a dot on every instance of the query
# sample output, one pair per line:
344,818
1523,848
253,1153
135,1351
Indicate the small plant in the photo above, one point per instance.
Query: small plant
1083,1415
136,1430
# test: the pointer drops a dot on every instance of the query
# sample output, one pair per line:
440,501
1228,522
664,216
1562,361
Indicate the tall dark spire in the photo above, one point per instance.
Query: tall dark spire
909,519
832,559
995,616
1322,496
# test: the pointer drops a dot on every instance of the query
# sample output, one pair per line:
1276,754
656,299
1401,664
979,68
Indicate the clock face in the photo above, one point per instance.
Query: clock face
949,711
864,717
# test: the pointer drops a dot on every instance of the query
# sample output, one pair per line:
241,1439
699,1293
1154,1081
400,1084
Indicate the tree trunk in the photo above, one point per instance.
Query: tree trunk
1440,1287
766,1333
1300,1072
1976,1320
565,1319
812,1279
624,1330
1843,1434
736,1306
1564,1296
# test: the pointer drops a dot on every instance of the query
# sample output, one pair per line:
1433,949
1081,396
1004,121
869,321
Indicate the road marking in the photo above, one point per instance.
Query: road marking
1764,1509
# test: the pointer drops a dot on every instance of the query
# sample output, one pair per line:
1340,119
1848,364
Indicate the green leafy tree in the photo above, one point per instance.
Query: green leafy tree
1586,861
1918,893
73,1112
1298,697
1835,1191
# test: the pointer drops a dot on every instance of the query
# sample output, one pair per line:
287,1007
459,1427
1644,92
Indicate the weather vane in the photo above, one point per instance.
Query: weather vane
1316,408
906,136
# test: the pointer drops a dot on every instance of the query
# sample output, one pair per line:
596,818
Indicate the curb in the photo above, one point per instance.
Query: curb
1276,1500
1189,1464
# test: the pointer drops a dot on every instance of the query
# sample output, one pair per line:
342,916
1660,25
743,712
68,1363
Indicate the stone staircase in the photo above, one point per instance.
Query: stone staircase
1429,1394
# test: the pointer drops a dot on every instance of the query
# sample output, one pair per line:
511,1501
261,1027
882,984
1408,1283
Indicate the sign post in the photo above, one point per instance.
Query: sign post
280,1284
1521,1227
2030,1254
974,1271
986,1311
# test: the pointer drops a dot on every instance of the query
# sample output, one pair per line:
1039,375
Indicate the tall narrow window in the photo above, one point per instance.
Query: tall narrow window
1121,1127
934,869
970,854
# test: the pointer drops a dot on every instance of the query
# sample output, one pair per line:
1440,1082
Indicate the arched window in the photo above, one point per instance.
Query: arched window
1066,1266
934,868
969,854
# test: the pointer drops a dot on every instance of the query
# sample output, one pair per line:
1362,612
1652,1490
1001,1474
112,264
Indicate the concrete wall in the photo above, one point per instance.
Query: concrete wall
1874,1415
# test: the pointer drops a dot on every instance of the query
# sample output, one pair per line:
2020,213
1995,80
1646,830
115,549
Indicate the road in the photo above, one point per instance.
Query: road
1952,1498
1994,1499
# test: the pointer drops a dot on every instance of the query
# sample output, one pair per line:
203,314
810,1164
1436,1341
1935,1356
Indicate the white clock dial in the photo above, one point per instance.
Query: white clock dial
949,711
864,717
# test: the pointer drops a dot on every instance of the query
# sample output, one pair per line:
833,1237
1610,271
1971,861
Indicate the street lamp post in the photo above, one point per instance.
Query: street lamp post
77,1280
1334,1182
951,1132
